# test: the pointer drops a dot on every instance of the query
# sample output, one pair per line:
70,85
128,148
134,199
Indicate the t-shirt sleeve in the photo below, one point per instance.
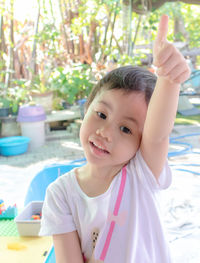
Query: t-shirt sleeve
56,213
147,178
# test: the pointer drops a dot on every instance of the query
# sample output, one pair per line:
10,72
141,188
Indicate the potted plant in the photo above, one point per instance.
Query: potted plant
4,107
17,94
9,126
72,83
41,92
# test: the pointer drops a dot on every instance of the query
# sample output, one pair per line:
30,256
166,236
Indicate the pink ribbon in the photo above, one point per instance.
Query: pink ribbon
119,219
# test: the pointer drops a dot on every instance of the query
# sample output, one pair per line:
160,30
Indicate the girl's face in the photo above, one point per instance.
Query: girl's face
112,127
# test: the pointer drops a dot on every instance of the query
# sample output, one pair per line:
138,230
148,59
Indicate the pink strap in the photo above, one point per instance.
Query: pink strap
116,210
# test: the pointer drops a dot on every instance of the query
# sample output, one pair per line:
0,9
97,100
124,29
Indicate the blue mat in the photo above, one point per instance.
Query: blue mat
186,108
190,112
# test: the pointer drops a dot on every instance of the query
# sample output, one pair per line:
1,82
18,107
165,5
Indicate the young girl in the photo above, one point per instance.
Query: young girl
107,210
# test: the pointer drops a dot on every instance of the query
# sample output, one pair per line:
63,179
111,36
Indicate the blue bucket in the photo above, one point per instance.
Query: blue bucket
13,145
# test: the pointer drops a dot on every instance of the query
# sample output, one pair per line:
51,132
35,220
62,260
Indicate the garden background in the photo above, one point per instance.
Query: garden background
64,47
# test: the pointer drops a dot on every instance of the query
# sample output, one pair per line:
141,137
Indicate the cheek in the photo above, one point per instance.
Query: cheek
136,141
85,129
82,133
129,147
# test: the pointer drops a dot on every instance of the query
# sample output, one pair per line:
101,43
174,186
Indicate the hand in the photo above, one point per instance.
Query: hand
170,63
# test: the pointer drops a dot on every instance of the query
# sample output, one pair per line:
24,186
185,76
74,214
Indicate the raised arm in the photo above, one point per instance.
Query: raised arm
172,70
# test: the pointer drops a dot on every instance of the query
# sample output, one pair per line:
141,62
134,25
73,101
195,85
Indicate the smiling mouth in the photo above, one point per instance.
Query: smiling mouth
99,148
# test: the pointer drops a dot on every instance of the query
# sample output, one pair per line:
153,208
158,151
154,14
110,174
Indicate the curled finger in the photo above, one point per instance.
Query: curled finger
182,77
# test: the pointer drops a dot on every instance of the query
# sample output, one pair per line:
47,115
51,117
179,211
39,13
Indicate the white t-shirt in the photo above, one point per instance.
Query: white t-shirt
138,235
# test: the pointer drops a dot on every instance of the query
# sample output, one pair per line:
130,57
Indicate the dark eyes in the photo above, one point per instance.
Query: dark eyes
122,128
101,115
125,129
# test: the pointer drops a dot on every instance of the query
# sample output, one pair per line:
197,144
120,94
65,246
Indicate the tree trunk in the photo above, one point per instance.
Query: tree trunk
63,27
81,48
106,28
117,43
88,46
136,33
2,49
51,10
34,51
179,27
10,65
113,23
126,21
102,56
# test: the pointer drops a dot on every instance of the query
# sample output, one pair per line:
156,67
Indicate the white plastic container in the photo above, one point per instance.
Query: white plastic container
25,225
31,118
35,131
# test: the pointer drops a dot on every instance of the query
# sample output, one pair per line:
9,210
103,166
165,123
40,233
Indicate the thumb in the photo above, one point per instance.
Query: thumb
161,37
162,30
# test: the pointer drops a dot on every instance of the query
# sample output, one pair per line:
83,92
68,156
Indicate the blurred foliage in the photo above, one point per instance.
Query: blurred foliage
75,43
72,83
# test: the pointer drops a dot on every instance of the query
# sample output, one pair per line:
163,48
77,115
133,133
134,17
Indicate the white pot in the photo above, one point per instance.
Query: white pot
35,131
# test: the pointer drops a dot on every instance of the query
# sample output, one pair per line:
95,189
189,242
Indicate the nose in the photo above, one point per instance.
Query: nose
106,132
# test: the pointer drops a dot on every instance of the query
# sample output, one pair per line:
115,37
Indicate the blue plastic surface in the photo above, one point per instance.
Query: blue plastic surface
195,79
51,258
37,187
13,145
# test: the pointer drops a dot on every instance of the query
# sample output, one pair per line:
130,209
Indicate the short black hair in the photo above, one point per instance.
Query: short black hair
128,78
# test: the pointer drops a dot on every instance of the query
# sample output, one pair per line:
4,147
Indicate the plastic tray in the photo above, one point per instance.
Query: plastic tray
26,226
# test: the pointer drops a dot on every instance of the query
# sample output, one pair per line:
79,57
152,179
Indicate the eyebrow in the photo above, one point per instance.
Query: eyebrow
131,119
105,103
110,107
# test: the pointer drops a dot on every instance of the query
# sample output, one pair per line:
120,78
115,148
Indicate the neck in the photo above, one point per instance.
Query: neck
94,180
102,173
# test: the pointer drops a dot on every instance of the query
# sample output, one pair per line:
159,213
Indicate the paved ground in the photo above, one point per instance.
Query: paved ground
181,202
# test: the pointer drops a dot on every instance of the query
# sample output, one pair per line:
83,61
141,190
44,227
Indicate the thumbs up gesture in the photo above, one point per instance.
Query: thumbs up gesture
170,63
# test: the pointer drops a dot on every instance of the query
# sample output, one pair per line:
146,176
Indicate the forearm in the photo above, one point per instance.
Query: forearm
67,248
172,70
161,110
